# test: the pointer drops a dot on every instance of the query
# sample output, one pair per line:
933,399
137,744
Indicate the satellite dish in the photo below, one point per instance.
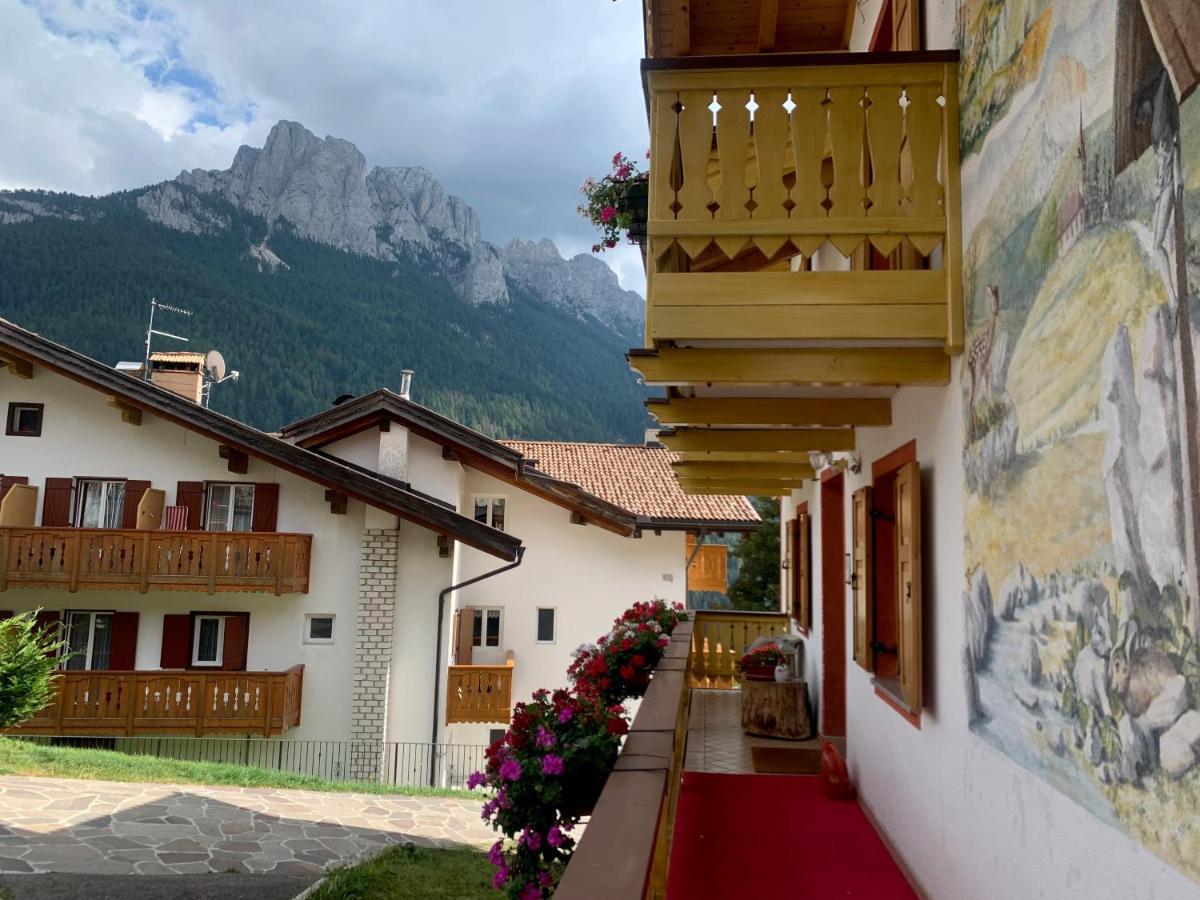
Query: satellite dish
214,365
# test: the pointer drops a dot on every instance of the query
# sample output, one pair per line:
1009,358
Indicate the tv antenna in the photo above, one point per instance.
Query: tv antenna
151,331
214,374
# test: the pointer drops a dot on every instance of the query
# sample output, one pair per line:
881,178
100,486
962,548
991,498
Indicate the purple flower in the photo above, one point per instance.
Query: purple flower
489,809
565,714
552,764
510,770
476,779
502,799
496,854
554,837
532,840
544,878
500,877
545,740
530,892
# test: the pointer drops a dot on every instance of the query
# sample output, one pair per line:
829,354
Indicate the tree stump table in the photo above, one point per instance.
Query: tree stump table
777,709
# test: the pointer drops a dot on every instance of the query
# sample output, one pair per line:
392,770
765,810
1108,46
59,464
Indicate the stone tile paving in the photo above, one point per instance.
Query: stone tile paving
115,828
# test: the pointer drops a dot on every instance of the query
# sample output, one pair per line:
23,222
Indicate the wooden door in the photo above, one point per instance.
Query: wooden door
862,580
908,582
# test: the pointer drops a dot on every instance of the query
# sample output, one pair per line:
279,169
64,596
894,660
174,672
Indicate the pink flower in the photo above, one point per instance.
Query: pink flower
530,892
552,765
545,740
500,877
624,170
554,837
565,714
510,770
532,840
610,243
476,779
544,879
496,854
608,213
617,157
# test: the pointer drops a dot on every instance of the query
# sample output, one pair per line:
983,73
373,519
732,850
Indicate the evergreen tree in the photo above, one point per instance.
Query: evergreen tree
757,585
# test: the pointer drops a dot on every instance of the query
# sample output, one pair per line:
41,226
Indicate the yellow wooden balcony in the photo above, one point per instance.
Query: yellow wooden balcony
480,693
758,163
129,560
126,704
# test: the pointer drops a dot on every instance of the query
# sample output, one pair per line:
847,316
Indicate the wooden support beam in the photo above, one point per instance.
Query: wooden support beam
734,488
338,502
750,471
445,543
20,368
783,457
682,23
131,415
742,440
865,411
578,519
848,25
768,20
838,365
448,453
237,461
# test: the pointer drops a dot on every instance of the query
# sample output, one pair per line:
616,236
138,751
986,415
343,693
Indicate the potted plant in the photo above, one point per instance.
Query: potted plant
618,202
759,664
619,664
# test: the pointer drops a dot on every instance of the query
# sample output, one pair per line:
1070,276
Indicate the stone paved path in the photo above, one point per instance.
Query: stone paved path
112,828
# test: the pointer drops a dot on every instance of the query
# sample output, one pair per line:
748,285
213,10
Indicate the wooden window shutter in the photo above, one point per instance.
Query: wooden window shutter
789,550
266,507
862,579
804,568
237,642
56,502
176,642
908,582
7,481
191,495
123,654
464,633
133,496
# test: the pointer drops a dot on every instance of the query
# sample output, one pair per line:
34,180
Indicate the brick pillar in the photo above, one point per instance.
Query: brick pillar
372,650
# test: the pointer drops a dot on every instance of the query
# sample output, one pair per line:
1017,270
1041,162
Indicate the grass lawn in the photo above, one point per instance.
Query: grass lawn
18,757
407,874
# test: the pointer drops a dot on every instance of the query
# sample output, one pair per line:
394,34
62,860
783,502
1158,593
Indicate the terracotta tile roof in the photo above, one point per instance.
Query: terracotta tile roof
187,356
634,477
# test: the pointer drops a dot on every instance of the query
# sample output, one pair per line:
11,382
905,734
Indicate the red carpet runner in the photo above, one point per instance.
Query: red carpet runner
775,836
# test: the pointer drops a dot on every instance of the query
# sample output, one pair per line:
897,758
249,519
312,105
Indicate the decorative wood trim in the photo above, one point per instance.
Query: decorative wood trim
338,502
130,414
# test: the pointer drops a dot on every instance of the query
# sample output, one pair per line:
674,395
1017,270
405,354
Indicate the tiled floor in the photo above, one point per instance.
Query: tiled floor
716,742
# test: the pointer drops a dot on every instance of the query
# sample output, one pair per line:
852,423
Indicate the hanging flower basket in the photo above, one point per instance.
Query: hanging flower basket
618,203
637,204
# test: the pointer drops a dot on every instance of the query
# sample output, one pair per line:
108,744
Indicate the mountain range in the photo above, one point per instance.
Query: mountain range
318,276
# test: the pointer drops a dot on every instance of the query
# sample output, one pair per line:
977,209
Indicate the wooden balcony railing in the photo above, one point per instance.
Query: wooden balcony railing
625,850
480,693
719,639
766,158
126,704
128,560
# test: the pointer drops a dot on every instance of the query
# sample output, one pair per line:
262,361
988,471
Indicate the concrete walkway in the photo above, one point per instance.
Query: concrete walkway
110,828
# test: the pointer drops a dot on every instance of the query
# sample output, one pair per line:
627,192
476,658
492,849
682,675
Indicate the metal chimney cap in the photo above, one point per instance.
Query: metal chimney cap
406,377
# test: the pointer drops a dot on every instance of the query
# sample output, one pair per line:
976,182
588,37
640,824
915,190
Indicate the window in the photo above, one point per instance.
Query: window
485,632
101,503
24,420
545,625
230,507
318,628
490,511
496,734
89,640
208,642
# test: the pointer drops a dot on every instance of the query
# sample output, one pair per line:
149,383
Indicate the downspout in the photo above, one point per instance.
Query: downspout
437,671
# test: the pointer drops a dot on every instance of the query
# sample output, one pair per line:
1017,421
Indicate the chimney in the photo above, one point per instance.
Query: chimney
180,372
651,438
406,376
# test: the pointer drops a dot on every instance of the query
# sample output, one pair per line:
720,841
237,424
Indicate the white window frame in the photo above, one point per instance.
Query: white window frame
219,661
489,518
308,618
484,612
233,487
65,635
537,613
81,490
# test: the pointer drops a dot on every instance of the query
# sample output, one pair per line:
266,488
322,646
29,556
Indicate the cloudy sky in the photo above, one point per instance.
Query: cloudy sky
511,103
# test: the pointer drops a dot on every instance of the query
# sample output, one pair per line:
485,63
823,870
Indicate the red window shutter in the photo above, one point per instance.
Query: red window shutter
191,495
123,653
176,642
266,507
237,639
7,481
56,502
133,496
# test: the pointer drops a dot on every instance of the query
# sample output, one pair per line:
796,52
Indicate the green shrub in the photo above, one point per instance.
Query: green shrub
28,658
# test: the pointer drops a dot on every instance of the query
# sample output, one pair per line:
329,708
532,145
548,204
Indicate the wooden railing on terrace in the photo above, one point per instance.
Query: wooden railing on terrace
105,703
128,560
755,160
479,693
719,639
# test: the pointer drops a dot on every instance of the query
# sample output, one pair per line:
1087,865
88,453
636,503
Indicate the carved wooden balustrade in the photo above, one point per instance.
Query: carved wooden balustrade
106,703
118,559
757,164
720,637
480,693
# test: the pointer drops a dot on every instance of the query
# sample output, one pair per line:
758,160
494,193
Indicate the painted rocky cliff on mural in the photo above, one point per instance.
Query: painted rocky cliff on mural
1082,424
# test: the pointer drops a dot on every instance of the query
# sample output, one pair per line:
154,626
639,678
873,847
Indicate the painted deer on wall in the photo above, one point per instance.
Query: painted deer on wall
979,360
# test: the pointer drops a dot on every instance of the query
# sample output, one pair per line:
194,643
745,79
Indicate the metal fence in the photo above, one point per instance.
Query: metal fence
382,762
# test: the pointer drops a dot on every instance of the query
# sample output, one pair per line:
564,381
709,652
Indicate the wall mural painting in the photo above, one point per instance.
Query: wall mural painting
1081,174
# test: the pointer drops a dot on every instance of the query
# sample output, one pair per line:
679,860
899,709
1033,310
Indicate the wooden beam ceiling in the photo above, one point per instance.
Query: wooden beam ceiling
772,411
749,471
783,457
683,27
744,440
841,365
732,488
